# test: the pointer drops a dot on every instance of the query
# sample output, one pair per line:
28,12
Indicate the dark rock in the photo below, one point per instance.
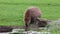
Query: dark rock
5,29
42,23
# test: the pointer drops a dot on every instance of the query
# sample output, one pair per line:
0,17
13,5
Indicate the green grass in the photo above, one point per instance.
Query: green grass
12,11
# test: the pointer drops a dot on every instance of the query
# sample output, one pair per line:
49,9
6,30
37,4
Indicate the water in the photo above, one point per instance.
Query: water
21,31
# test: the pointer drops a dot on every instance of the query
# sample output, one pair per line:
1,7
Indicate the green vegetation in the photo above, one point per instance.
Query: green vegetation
12,11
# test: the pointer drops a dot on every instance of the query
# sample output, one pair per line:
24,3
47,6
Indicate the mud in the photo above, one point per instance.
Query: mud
52,25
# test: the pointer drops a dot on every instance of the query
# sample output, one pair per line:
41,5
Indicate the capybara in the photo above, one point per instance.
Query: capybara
31,16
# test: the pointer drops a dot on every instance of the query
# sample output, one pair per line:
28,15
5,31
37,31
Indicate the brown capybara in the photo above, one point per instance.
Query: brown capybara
31,16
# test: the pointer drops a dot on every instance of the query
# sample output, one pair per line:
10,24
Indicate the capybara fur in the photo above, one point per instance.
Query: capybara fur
31,15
